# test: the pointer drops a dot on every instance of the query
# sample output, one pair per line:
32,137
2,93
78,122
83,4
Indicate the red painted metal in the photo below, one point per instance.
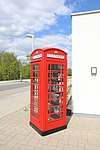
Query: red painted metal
48,86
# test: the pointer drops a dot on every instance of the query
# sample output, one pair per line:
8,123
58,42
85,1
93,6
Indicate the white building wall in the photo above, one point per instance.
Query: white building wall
86,54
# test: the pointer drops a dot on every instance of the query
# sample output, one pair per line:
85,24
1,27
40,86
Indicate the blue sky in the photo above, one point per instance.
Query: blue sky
48,20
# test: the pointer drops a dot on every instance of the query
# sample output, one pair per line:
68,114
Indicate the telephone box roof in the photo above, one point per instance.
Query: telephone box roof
49,48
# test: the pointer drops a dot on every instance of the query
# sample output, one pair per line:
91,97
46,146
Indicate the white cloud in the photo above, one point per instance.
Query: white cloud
58,40
17,17
23,46
63,10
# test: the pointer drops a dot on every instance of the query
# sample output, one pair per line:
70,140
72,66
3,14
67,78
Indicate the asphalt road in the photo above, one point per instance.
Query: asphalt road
15,85
13,96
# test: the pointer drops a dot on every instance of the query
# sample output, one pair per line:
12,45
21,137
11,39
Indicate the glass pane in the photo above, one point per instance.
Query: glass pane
55,74
35,74
55,109
61,88
48,74
62,67
35,95
35,109
55,80
35,80
62,81
35,87
49,67
54,116
55,67
35,115
49,96
55,102
55,88
55,95
49,81
49,88
35,67
35,101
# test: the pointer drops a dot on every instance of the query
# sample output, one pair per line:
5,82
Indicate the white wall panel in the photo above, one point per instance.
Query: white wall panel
86,54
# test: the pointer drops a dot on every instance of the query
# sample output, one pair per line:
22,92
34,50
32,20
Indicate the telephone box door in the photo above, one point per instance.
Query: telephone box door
56,95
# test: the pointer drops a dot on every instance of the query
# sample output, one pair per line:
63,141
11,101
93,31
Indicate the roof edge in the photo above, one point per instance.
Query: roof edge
85,13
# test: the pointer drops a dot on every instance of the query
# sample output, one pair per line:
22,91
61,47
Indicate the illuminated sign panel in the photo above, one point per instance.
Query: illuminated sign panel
55,56
37,56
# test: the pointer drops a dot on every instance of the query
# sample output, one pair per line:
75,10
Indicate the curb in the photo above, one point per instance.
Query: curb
12,81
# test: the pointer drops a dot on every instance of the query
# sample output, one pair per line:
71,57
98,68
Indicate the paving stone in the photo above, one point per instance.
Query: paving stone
57,136
63,141
3,136
53,142
73,141
91,147
60,145
65,138
33,142
92,141
24,147
59,148
39,145
18,137
16,147
11,143
44,142
69,147
3,142
10,136
82,141
81,146
2,131
84,137
5,147
22,142
48,147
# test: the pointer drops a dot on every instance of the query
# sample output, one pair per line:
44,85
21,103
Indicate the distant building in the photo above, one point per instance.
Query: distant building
86,62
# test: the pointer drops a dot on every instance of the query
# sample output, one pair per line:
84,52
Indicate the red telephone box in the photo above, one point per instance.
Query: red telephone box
48,73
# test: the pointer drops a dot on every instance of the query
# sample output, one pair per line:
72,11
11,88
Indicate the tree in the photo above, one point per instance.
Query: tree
25,70
69,72
9,66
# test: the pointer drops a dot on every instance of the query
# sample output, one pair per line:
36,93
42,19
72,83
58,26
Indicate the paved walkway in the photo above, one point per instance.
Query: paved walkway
82,133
